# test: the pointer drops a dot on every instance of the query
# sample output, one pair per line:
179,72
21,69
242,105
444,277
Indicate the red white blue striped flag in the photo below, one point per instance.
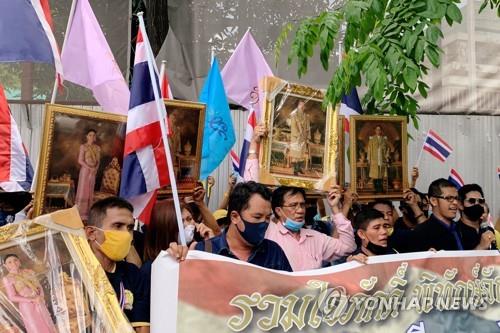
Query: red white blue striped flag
436,146
16,172
456,179
27,34
235,160
144,164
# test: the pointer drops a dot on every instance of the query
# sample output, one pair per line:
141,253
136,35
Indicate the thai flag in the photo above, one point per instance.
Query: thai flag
350,106
498,173
16,172
145,164
455,179
435,145
166,92
235,161
26,33
251,123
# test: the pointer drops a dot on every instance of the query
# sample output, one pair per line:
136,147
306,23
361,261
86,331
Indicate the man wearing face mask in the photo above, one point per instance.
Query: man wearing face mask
372,230
439,232
249,212
305,248
471,208
109,233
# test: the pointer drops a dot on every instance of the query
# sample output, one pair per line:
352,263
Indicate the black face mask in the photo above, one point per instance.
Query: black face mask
377,249
474,212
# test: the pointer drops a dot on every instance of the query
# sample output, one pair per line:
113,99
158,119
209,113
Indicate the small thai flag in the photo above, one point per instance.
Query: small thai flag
498,173
236,161
455,179
435,145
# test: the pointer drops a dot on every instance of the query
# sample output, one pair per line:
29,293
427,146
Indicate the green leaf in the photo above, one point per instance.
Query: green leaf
433,55
410,78
419,49
410,43
422,89
433,33
454,13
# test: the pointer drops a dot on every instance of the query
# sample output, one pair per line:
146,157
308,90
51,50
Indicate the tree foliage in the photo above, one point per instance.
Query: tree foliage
493,4
386,43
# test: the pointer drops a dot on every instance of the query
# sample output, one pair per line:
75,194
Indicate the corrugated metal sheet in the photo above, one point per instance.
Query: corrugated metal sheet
475,140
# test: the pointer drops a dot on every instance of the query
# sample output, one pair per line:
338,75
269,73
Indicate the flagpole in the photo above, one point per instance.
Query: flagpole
421,151
162,113
68,26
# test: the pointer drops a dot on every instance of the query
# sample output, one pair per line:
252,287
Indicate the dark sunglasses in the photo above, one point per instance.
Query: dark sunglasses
473,201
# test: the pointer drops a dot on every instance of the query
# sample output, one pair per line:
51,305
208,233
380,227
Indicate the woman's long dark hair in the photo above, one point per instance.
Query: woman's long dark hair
162,229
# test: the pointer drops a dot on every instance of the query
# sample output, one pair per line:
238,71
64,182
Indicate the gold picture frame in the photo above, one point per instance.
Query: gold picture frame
379,157
62,179
187,121
304,147
59,269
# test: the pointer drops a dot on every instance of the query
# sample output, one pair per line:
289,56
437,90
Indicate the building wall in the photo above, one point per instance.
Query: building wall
475,140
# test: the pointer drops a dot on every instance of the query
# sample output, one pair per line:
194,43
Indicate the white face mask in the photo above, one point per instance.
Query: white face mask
189,232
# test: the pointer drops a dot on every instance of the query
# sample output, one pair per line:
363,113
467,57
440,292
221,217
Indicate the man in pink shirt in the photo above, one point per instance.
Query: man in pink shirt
307,249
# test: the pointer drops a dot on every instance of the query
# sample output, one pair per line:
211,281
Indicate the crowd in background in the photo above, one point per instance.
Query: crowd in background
283,228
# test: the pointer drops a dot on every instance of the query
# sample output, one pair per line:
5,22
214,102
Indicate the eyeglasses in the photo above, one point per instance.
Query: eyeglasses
296,206
449,198
473,201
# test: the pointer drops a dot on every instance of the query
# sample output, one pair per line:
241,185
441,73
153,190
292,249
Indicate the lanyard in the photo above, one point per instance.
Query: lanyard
122,296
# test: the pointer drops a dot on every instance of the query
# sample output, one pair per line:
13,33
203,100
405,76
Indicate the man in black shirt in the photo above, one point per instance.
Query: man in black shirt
472,206
440,231
109,232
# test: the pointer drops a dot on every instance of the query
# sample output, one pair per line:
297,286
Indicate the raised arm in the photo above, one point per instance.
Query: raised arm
208,218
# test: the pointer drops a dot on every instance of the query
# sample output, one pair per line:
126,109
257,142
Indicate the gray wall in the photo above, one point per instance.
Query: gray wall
475,140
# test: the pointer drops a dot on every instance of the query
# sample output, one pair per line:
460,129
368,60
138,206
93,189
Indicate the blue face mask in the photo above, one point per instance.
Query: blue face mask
254,233
292,225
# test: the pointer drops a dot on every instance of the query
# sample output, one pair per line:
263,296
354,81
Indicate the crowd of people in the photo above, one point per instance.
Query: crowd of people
282,229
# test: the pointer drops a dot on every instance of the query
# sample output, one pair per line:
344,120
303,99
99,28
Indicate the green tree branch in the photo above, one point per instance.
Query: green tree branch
386,44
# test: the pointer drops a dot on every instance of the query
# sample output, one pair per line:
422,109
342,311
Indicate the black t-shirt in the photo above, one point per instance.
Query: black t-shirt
127,280
469,235
434,234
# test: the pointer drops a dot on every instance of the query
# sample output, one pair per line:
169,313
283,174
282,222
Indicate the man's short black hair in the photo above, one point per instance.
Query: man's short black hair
436,187
99,209
388,203
462,192
241,194
278,196
364,217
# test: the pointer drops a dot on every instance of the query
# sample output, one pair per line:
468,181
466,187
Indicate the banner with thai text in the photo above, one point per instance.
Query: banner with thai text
456,291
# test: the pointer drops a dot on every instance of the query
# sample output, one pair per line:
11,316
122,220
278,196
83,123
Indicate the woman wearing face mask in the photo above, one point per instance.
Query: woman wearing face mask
192,230
372,231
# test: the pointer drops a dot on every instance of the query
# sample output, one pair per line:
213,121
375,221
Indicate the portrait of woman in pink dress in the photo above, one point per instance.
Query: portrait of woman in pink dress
88,158
22,287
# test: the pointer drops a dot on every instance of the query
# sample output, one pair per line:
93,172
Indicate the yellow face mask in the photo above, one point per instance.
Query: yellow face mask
116,245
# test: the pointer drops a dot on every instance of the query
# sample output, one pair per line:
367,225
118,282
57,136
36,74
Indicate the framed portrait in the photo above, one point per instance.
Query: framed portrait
81,158
186,120
304,147
379,156
52,282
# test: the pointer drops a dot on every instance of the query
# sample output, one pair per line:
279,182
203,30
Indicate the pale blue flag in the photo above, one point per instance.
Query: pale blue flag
218,134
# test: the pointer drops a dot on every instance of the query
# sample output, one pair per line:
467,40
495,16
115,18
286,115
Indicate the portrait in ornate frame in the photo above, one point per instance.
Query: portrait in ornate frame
303,147
379,156
186,120
81,158
51,281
